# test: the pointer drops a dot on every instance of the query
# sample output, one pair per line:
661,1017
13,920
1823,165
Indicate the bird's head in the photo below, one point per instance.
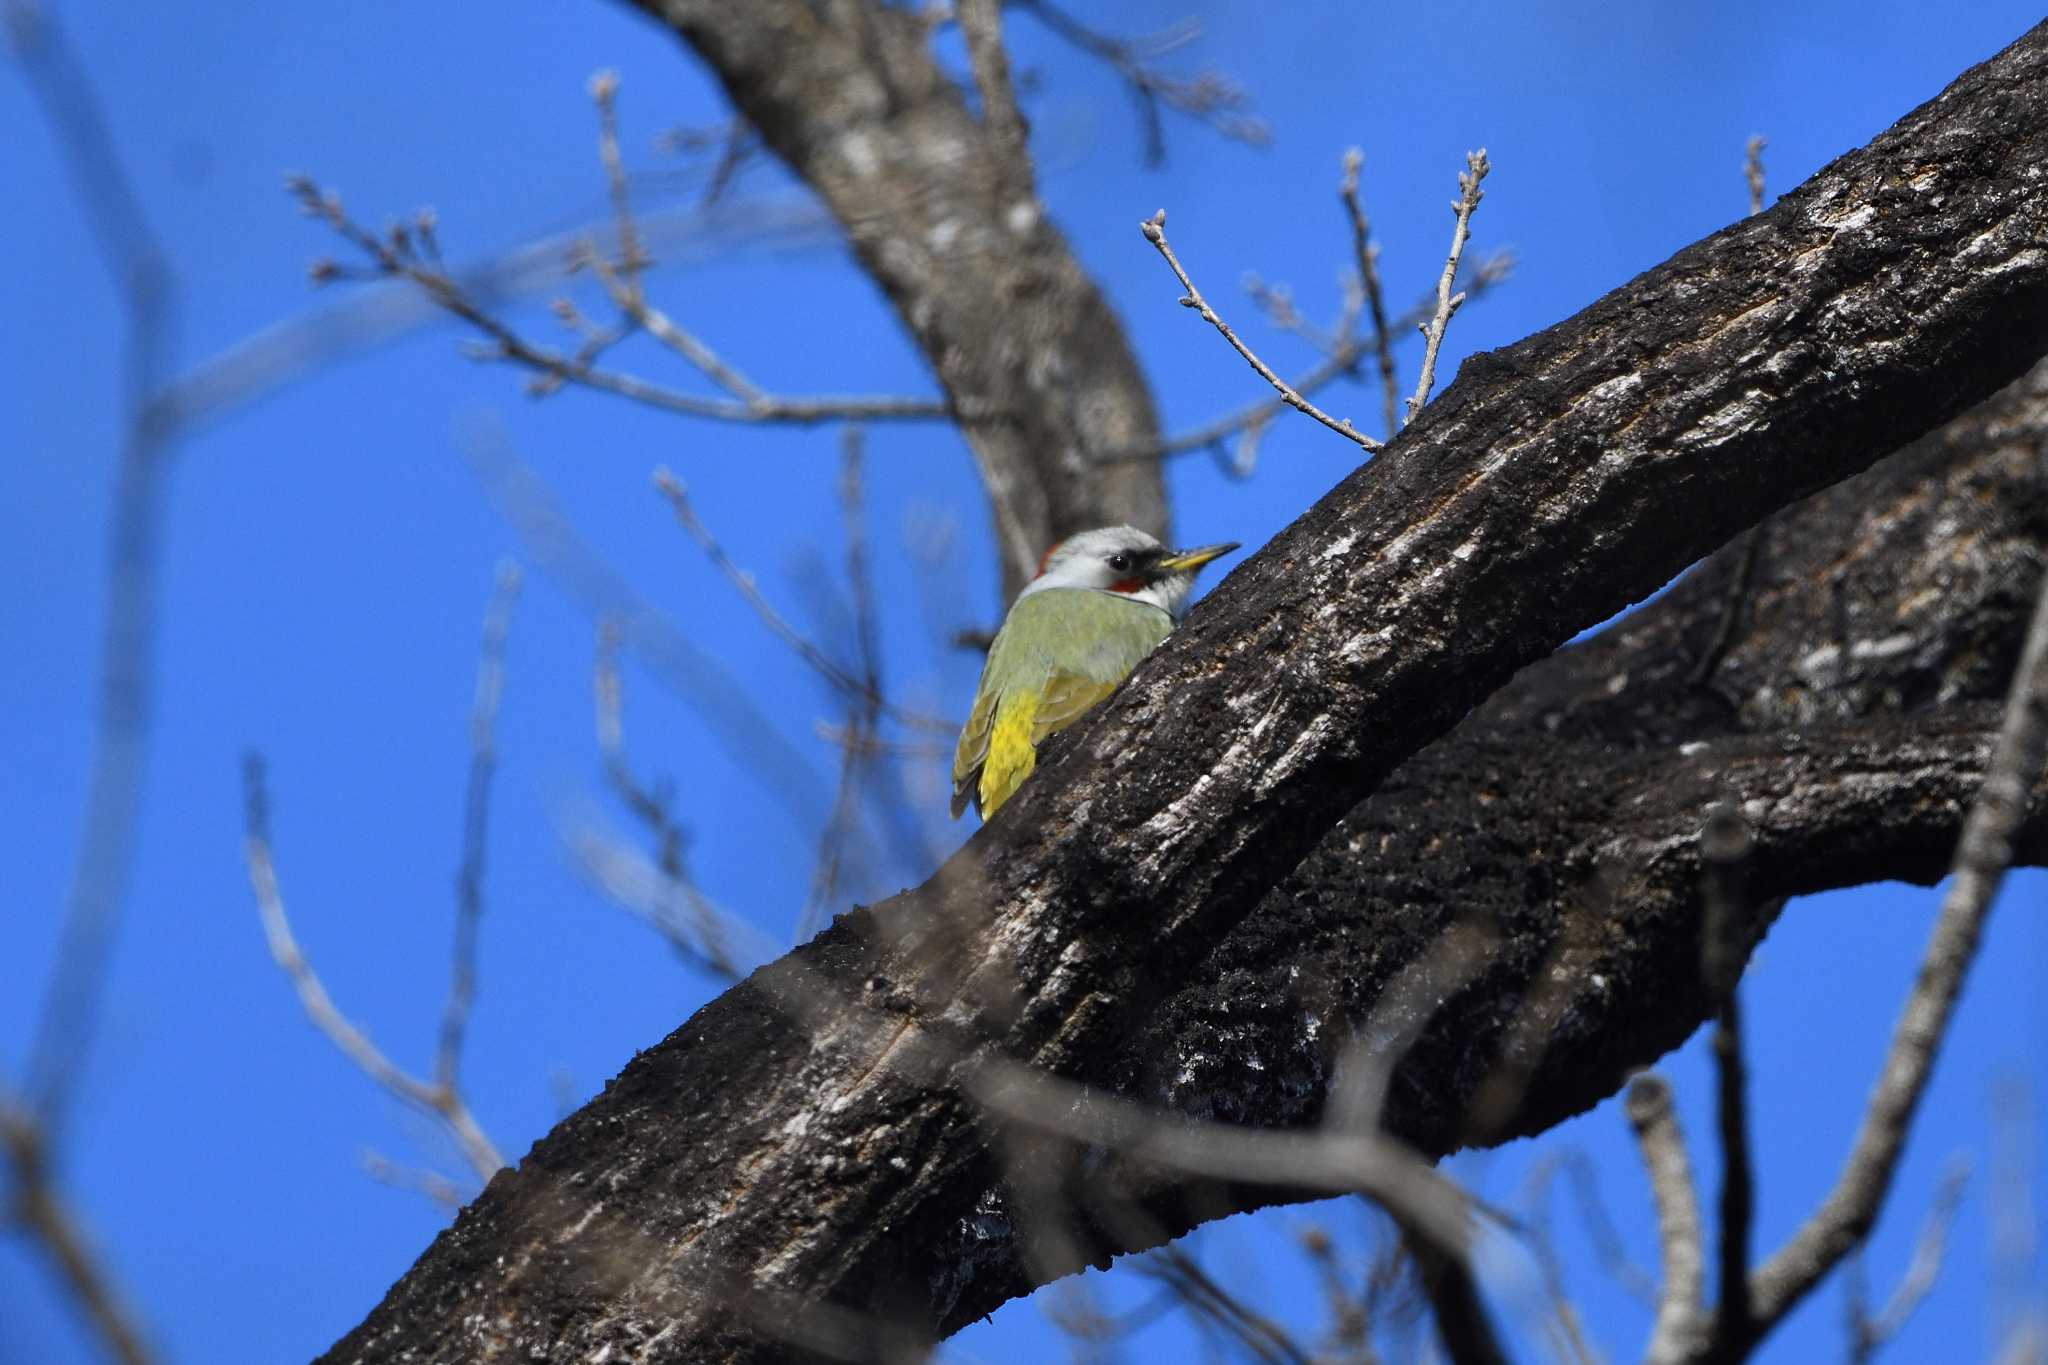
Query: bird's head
1123,559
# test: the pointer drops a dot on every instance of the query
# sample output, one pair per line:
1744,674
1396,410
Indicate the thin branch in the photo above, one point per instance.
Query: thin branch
1675,1197
1447,303
1868,1333
1376,1166
981,24
147,293
1753,173
395,258
1846,1215
837,675
1154,229
1732,1313
604,93
670,900
1367,254
1724,859
432,1185
1404,1009
1342,361
1594,1219
1537,1235
1209,96
37,1206
1731,610
622,282
1463,1327
550,542
863,709
632,301
1198,1291
469,879
442,1103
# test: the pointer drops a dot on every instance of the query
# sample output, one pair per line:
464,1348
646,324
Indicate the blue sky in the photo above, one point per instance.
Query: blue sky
328,553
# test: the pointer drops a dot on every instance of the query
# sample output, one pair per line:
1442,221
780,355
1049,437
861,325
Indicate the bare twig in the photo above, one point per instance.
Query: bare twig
1369,1164
1489,272
1594,1219
1463,1327
146,288
1447,303
1154,229
551,543
552,369
631,300
841,679
1724,945
1753,172
622,282
1536,1235
432,1185
670,900
1868,1333
1732,1311
1252,1331
1676,1199
1846,1215
1405,1007
37,1206
2019,1310
604,93
1367,253
442,1103
1208,96
863,709
1731,610
476,806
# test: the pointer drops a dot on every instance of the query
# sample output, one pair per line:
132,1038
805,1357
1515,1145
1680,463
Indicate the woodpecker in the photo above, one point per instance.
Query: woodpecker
1102,601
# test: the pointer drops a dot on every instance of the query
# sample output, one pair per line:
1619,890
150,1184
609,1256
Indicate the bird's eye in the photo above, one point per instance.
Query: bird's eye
1120,562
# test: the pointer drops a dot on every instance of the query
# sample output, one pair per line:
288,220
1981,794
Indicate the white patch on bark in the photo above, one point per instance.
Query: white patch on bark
857,150
1881,649
1337,548
1306,745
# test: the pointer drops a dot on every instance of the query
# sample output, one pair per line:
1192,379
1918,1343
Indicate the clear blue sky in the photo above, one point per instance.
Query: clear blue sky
328,555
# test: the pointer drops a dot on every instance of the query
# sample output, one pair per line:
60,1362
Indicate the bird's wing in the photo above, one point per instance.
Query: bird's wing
972,750
1102,638
1063,700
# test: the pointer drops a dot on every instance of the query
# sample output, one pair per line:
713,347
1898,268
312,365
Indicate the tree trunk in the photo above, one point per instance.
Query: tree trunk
947,221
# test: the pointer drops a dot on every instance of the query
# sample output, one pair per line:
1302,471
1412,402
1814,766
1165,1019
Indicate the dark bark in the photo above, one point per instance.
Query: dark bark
946,219
800,1162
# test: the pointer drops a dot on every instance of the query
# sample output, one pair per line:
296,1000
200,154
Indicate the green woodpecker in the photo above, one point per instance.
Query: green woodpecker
1102,601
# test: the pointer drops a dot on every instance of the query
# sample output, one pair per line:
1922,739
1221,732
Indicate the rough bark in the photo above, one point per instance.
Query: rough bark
800,1162
946,218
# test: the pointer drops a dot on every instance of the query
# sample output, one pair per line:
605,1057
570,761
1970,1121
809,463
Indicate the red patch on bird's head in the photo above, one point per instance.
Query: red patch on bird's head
1046,558
1127,585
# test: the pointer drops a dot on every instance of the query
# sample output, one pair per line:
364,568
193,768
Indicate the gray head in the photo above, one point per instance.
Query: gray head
1125,560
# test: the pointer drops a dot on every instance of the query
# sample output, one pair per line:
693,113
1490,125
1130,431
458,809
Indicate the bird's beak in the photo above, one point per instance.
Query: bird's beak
1187,561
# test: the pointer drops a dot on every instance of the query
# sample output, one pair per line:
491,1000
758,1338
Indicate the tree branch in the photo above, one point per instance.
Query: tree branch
833,1153
1846,1216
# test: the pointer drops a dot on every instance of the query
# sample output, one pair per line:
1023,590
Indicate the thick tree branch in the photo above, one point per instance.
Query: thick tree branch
940,209
806,1135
